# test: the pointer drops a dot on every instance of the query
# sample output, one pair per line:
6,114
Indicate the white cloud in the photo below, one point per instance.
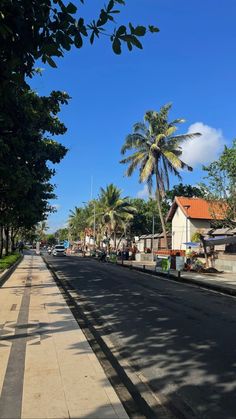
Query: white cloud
204,149
144,193
56,225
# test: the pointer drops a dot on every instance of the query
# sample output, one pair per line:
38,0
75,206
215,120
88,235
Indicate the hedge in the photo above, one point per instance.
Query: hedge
8,261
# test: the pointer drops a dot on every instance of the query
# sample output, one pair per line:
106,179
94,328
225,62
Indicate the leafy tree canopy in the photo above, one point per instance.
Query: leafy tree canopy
32,31
221,182
51,239
26,147
62,234
185,190
42,29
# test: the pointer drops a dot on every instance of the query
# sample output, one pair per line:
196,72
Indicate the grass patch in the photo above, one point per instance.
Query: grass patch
8,261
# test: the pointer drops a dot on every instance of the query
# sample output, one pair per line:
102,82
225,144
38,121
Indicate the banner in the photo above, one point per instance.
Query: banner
163,264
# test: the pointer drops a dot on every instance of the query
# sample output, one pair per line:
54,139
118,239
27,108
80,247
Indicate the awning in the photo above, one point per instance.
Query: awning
221,232
220,240
192,244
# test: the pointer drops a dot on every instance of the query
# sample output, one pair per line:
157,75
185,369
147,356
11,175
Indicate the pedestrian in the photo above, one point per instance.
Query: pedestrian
21,247
189,255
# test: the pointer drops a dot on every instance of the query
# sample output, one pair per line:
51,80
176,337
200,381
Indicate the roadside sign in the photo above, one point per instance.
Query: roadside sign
163,264
180,261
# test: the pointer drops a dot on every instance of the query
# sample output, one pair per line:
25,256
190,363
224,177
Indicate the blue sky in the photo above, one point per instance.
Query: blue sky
191,62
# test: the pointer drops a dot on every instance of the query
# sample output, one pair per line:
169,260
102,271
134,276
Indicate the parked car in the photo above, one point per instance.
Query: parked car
59,250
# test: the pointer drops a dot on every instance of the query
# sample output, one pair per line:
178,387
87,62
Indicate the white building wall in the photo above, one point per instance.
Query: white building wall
198,225
140,245
183,229
179,230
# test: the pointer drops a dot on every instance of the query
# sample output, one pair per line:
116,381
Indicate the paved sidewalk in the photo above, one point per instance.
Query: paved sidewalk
47,368
225,282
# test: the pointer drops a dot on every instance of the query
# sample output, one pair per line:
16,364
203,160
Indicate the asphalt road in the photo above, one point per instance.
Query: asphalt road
180,337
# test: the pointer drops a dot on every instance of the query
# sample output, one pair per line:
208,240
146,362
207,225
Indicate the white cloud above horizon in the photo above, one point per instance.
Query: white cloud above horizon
144,193
204,149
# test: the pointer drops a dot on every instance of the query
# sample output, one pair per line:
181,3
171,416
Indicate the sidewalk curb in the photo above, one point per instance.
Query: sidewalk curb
213,287
139,391
7,273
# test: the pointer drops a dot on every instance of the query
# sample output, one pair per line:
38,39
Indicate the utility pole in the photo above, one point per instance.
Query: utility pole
153,230
94,223
186,207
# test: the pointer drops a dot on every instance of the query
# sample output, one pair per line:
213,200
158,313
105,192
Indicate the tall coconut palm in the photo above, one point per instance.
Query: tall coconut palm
113,210
156,152
77,222
41,229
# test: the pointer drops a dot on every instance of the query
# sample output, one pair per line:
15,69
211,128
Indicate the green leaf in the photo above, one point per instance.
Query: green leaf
103,18
110,5
116,46
92,38
136,42
78,40
71,8
153,29
50,61
121,30
139,31
129,45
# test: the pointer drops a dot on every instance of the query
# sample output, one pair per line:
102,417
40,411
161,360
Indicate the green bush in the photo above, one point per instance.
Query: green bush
8,261
196,237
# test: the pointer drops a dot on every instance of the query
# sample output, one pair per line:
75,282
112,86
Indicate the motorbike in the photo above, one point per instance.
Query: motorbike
102,257
49,250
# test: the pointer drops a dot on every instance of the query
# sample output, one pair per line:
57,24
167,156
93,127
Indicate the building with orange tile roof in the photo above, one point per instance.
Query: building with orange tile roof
189,215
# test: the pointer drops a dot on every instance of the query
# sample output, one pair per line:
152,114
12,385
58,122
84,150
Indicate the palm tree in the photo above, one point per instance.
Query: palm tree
41,229
156,152
77,222
113,211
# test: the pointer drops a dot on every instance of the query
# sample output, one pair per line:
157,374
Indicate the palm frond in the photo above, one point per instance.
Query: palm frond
137,155
140,127
173,170
175,161
148,168
177,121
133,141
150,185
184,137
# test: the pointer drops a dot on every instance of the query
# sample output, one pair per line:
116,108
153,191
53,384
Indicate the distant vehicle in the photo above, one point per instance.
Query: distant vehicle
49,249
58,250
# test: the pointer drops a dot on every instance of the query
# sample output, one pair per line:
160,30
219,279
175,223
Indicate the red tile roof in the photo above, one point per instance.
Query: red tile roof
198,208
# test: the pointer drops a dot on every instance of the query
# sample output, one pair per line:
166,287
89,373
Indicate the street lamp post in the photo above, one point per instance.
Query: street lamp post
153,229
186,207
94,224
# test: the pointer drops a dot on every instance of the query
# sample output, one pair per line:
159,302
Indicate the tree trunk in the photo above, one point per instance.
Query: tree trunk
115,239
158,199
205,251
120,240
7,239
1,241
13,238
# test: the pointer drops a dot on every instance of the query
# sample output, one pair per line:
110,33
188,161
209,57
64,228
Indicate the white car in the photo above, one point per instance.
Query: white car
59,250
